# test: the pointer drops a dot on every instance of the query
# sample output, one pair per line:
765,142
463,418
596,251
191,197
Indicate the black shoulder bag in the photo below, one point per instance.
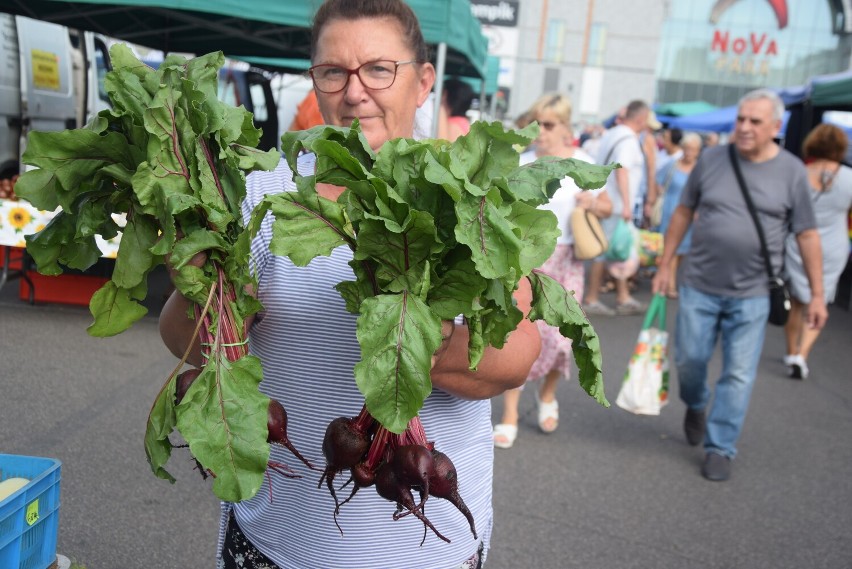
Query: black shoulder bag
779,297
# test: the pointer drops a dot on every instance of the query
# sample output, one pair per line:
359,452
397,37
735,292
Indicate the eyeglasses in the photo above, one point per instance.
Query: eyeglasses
373,75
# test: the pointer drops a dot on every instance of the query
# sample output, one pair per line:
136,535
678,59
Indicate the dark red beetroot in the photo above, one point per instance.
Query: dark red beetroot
362,477
277,426
444,484
184,380
344,446
414,467
390,488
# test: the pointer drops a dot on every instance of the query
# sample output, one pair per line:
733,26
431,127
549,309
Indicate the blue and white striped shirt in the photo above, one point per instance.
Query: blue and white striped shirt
307,345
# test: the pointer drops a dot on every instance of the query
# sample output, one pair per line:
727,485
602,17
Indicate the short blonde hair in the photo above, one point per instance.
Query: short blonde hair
557,103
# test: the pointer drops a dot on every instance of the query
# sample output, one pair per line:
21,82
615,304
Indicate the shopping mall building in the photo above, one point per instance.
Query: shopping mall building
605,52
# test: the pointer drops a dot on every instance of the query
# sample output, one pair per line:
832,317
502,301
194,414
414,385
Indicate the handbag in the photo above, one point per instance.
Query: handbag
779,296
589,237
645,389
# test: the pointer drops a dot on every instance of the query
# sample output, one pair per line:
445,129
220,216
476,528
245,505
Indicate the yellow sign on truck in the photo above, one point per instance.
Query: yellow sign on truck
45,69
49,81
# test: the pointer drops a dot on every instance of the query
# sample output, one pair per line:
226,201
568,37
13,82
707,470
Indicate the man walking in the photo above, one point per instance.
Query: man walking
724,287
619,144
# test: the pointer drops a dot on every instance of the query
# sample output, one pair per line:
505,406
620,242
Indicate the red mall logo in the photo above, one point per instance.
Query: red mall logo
754,44
745,54
778,6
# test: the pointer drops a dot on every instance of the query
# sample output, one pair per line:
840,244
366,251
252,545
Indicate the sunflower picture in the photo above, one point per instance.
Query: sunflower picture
19,217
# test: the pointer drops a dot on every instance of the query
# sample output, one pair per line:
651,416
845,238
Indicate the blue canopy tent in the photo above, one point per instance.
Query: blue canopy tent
721,120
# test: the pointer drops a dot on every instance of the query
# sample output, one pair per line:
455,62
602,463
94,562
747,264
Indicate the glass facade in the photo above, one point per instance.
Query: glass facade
716,50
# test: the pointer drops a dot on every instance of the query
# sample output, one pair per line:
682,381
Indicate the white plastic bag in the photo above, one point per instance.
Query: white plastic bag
645,389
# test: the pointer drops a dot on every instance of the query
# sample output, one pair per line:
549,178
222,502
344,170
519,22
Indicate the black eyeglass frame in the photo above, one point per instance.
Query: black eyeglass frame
357,71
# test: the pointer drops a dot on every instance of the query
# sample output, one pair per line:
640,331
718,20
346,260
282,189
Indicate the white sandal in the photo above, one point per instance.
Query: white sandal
547,411
505,435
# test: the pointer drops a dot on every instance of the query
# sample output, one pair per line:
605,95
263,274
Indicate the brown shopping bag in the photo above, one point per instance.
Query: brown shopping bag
645,389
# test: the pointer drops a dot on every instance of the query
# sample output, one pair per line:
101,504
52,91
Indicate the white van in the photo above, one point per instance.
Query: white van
51,78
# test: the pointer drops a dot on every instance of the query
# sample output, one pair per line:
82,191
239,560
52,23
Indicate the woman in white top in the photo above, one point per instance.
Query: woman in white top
370,62
553,114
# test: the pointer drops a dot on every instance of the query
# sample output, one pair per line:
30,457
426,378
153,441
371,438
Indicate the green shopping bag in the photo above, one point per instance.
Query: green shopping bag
620,243
645,389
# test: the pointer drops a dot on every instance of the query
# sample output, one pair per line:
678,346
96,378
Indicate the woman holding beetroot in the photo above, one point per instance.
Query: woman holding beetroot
370,63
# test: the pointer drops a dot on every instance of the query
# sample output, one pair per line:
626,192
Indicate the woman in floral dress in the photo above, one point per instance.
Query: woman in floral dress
553,114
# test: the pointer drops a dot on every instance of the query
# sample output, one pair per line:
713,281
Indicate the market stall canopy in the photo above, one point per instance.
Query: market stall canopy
492,70
683,109
721,121
273,29
189,26
718,120
278,64
831,90
822,93
451,22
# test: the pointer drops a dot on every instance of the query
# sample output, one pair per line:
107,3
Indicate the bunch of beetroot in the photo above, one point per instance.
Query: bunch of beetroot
396,464
166,167
437,230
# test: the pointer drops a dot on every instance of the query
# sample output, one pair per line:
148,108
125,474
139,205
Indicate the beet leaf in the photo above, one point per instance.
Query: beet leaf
228,390
437,229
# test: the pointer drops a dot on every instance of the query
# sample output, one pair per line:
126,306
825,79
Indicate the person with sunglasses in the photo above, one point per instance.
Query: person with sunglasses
555,138
370,63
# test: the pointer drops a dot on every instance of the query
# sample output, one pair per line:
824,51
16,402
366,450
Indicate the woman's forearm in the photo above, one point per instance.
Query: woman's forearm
176,328
499,369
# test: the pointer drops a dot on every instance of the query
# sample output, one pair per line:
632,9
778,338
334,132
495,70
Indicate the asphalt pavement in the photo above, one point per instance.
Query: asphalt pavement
608,490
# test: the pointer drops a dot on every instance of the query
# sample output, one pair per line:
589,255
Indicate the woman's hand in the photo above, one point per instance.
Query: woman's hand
598,204
499,369
447,329
585,200
177,328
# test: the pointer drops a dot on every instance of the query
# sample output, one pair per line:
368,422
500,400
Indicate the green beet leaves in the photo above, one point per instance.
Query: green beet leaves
165,167
437,230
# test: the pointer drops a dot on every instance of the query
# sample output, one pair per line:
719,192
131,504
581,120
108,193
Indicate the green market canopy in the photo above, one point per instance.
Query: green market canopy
683,109
274,29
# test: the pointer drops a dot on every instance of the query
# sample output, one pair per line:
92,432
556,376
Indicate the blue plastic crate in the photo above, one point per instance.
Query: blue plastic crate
29,518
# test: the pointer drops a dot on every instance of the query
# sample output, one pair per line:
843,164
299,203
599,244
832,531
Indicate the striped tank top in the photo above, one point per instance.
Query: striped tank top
306,342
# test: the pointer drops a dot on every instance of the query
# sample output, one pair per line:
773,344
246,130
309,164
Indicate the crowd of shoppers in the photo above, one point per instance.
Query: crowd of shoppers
711,242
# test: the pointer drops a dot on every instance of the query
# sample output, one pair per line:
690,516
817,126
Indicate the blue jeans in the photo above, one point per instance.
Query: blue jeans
741,322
